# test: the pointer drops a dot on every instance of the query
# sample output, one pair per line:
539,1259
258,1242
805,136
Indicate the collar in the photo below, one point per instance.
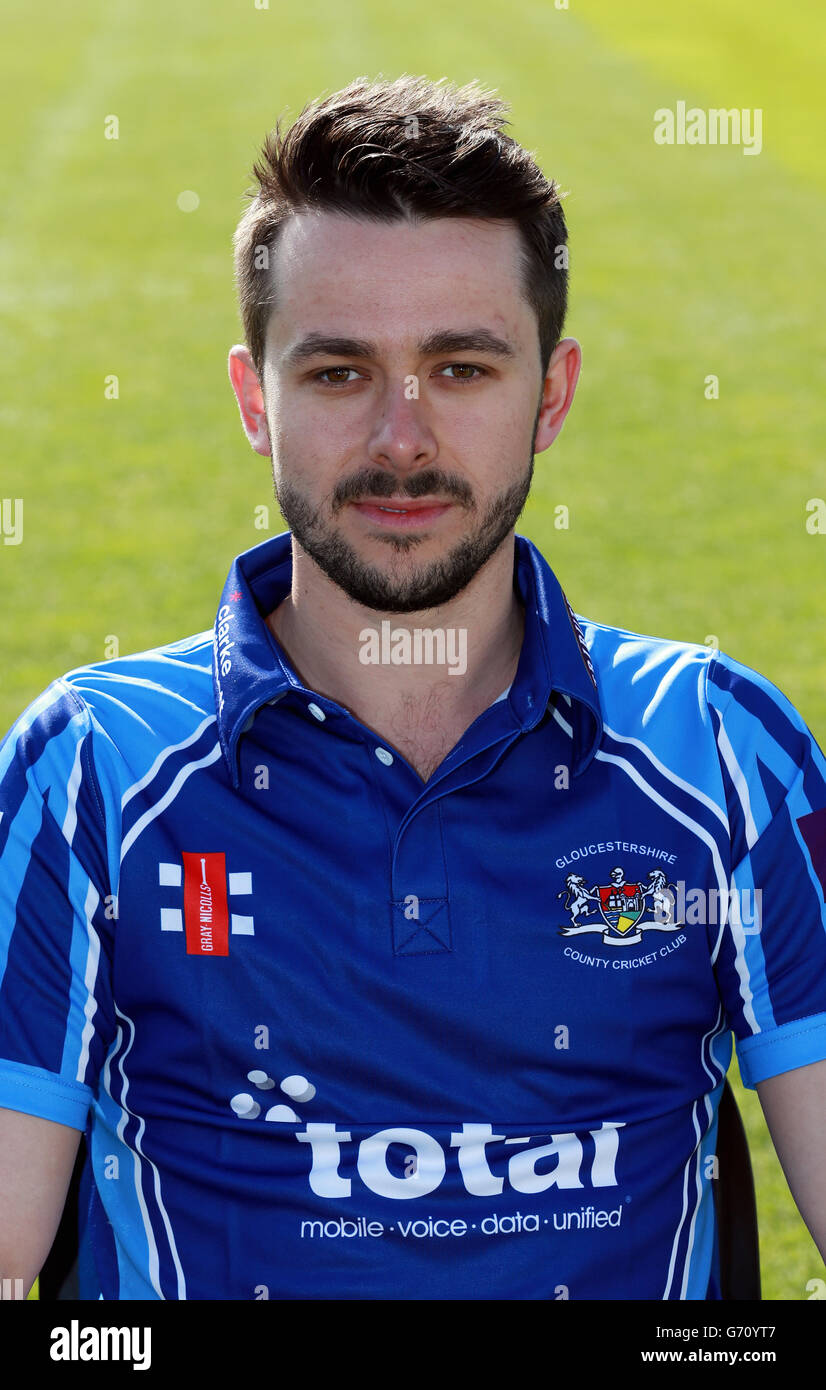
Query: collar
250,669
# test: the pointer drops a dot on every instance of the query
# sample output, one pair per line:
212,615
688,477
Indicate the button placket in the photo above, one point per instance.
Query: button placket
419,905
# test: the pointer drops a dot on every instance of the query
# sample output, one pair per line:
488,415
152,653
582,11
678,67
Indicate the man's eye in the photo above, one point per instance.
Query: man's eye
470,373
328,370
464,367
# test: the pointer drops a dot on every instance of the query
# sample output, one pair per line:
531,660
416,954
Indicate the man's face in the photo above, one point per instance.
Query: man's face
401,458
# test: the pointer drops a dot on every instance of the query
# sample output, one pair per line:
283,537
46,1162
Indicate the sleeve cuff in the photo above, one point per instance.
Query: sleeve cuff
792,1045
38,1092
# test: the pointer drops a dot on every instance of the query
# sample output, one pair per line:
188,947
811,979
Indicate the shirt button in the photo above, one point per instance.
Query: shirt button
316,711
384,756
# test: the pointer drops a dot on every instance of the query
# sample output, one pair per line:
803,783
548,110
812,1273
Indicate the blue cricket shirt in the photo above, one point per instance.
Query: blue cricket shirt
336,1033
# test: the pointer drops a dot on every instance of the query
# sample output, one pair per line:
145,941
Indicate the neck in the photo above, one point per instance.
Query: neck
322,631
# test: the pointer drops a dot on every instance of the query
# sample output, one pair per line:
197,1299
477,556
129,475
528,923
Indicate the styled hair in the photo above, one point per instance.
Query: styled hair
408,148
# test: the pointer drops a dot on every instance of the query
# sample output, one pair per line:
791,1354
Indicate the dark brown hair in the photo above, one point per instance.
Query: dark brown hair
406,148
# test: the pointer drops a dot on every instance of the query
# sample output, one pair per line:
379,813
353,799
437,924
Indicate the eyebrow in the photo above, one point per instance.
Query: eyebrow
442,341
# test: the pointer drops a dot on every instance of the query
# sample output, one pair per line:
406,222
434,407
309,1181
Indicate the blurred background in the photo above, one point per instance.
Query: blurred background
687,501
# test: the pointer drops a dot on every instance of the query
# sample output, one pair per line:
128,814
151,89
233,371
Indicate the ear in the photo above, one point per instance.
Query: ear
558,391
250,399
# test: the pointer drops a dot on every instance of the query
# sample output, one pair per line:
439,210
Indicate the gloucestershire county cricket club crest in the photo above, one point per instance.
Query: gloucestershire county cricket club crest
621,907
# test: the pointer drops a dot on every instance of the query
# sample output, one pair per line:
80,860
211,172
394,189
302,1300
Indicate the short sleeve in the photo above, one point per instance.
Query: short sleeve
771,956
56,912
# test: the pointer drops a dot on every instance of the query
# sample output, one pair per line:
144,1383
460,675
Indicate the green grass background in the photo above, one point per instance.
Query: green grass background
687,516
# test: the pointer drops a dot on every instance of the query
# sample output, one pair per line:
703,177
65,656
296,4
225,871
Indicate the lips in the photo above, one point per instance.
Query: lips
402,504
388,511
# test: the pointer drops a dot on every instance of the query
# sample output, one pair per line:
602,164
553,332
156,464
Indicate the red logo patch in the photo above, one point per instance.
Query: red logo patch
205,905
813,830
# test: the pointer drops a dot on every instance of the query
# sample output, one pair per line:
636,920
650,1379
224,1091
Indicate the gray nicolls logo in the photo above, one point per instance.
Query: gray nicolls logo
586,1159
204,910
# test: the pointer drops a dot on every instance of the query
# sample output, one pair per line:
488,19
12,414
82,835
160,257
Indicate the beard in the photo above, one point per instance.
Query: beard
420,587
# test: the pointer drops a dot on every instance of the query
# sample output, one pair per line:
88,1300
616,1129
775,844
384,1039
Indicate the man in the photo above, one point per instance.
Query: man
388,941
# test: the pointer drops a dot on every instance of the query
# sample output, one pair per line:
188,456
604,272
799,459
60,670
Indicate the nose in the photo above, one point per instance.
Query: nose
401,438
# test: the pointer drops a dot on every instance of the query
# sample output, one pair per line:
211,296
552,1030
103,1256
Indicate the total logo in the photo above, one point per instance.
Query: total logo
583,1160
